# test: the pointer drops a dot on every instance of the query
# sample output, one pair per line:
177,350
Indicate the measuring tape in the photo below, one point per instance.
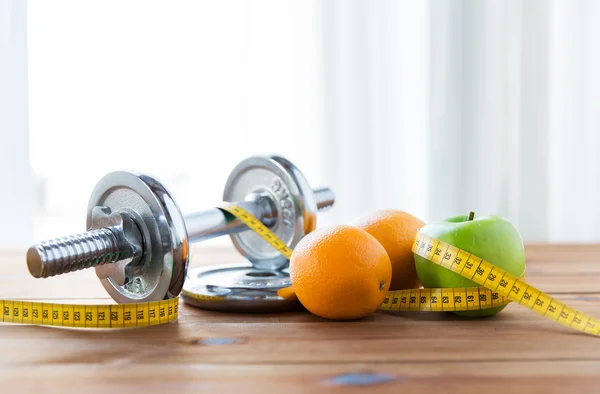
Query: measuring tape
498,287
432,300
503,283
442,300
259,228
121,315
90,316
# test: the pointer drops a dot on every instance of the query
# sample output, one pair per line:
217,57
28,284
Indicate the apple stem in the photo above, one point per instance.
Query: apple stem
471,216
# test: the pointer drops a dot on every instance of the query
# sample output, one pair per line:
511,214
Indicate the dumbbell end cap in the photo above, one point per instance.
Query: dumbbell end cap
324,197
34,262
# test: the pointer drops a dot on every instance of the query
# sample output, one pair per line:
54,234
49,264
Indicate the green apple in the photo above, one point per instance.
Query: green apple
492,238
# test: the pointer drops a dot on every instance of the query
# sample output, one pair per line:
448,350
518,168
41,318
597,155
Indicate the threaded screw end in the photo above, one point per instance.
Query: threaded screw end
324,197
73,253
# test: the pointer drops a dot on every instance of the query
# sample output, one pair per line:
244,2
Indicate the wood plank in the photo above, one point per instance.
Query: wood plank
296,352
562,252
566,283
465,378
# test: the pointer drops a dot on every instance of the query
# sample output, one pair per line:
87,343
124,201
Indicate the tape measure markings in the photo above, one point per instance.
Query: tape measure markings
89,316
491,299
120,315
498,288
258,227
507,285
442,300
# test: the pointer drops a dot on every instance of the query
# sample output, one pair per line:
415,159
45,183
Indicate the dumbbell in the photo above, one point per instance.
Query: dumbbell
138,240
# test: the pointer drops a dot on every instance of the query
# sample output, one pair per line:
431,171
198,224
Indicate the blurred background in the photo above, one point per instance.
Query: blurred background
430,107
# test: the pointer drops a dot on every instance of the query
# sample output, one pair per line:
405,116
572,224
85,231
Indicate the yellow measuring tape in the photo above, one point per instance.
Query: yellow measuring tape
442,300
434,300
505,284
498,286
114,316
90,316
259,228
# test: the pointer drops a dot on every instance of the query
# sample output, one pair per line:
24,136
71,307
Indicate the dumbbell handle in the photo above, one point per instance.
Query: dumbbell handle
214,222
106,246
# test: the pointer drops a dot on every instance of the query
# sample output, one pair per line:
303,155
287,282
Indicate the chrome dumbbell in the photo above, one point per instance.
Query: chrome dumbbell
276,186
138,240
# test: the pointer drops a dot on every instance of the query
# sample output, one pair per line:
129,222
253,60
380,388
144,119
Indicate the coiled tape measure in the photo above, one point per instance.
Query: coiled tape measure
498,287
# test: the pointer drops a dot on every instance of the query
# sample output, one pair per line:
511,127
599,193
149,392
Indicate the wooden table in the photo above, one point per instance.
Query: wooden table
516,351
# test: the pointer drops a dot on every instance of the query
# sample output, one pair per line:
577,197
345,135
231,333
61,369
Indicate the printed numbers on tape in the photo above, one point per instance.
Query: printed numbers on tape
89,316
504,284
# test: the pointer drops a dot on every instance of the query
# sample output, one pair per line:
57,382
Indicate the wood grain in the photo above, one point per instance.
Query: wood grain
436,377
516,351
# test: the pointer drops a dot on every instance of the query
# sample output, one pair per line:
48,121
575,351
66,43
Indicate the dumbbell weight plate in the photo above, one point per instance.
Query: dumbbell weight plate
294,200
160,221
237,288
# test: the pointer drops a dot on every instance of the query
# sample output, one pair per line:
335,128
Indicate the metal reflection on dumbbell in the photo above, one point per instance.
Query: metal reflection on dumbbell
282,199
138,241
237,288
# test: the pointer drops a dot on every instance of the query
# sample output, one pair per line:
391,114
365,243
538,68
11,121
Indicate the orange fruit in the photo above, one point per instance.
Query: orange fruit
287,293
340,272
396,231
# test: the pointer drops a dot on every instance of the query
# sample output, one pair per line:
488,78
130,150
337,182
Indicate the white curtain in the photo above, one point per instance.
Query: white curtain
16,189
180,89
432,107
438,108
